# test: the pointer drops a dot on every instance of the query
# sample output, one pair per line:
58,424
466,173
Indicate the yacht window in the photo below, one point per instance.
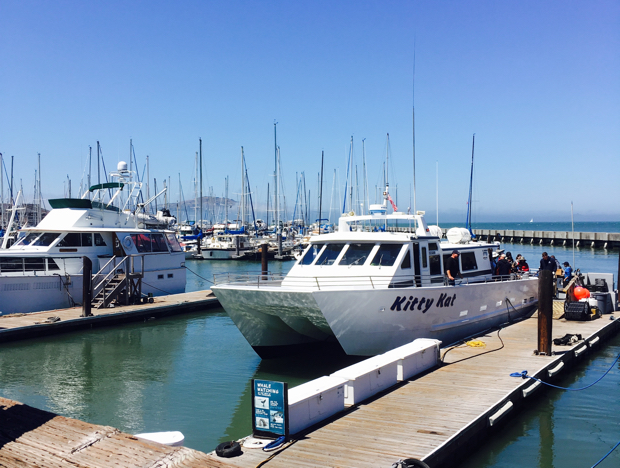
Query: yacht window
432,246
174,243
142,242
356,254
46,239
71,239
435,262
34,264
8,264
330,254
87,239
51,265
468,261
159,243
99,242
406,261
386,255
424,258
311,254
30,238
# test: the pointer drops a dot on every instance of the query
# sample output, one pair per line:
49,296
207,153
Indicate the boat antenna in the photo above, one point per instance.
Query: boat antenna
471,181
321,192
413,120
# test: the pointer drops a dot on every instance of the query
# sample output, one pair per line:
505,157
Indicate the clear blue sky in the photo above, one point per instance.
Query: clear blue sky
538,82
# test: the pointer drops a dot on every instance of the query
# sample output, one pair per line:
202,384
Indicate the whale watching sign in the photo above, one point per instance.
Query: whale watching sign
269,408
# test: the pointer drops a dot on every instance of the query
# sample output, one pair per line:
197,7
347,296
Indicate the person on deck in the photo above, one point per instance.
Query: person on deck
547,263
452,267
568,273
522,265
503,266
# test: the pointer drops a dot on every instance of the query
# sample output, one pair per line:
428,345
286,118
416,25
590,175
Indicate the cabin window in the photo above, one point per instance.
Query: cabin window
174,243
330,254
356,254
46,239
142,242
311,254
432,246
424,258
435,262
468,261
71,239
10,264
386,255
30,238
51,265
406,261
158,243
34,264
99,242
87,239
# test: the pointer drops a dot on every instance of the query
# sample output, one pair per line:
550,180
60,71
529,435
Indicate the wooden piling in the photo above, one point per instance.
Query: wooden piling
87,289
263,260
545,311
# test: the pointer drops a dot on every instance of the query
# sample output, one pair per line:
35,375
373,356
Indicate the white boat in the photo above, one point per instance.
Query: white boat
44,269
375,284
225,246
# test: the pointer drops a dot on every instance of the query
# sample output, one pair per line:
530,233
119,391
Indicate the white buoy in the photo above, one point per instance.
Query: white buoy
171,438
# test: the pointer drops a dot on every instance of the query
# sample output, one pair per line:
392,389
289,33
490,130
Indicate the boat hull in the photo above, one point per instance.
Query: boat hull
275,320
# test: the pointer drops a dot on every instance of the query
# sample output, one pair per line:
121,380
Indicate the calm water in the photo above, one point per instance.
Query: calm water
192,373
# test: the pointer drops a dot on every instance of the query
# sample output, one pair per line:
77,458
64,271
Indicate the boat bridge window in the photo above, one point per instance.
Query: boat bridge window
149,242
435,263
29,239
406,261
21,264
99,242
174,243
386,255
46,239
356,254
468,261
158,243
311,254
71,239
432,246
330,254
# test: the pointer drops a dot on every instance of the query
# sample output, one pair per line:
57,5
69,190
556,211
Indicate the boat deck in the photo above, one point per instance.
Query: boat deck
33,324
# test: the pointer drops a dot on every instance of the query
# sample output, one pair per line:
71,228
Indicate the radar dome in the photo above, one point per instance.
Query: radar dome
121,166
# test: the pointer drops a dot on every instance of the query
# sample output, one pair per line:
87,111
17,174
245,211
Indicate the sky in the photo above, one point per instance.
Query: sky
538,83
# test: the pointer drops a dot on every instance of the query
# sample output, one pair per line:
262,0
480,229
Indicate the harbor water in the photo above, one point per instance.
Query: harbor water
193,372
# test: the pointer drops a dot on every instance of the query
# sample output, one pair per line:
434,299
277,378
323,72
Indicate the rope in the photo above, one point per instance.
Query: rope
524,375
476,344
276,453
608,453
155,287
201,277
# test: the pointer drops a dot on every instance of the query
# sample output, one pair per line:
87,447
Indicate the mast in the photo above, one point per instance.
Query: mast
365,176
39,199
1,191
351,178
200,227
196,188
90,159
275,177
242,190
148,183
226,207
413,124
98,165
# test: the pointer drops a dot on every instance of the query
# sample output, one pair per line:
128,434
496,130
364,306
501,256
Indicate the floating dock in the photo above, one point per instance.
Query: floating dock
437,417
50,322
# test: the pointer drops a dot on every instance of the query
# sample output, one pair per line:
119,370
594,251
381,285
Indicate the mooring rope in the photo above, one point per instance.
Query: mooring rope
202,277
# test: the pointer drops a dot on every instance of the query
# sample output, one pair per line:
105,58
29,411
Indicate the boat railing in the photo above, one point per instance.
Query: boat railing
258,279
125,265
358,282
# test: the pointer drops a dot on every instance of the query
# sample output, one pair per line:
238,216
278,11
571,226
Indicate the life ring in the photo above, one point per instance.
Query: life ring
228,449
127,242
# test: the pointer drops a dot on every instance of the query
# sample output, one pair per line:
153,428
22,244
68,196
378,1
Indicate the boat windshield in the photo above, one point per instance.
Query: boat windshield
311,254
330,254
46,239
29,239
356,254
386,255
174,243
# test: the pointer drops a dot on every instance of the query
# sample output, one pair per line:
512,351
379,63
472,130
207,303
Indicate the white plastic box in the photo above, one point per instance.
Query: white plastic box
367,378
415,357
314,401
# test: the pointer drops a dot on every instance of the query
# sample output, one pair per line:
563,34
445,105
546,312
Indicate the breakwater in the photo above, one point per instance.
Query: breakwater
605,240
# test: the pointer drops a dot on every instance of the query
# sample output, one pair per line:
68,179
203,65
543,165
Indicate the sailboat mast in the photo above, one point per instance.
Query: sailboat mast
242,190
351,178
39,198
321,192
365,176
98,164
275,176
413,132
1,191
200,227
471,183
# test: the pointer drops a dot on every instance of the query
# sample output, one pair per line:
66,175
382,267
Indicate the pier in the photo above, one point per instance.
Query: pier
50,322
437,417
605,240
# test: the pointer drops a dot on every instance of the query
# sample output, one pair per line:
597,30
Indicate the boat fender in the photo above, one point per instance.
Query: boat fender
275,445
228,449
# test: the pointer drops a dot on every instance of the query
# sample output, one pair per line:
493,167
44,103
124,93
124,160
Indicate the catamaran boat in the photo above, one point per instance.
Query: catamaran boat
375,284
43,270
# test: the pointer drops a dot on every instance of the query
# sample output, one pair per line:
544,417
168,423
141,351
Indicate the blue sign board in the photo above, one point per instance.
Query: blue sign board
269,408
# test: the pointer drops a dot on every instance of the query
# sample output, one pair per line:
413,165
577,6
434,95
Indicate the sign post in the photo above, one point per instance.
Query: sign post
269,409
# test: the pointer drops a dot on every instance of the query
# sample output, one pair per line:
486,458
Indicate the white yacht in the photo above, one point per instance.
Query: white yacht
43,270
375,284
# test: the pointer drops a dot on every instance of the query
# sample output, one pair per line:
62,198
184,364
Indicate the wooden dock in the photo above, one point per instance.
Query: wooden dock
34,324
436,417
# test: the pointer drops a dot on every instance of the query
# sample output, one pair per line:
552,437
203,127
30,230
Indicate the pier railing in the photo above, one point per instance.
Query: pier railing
358,282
